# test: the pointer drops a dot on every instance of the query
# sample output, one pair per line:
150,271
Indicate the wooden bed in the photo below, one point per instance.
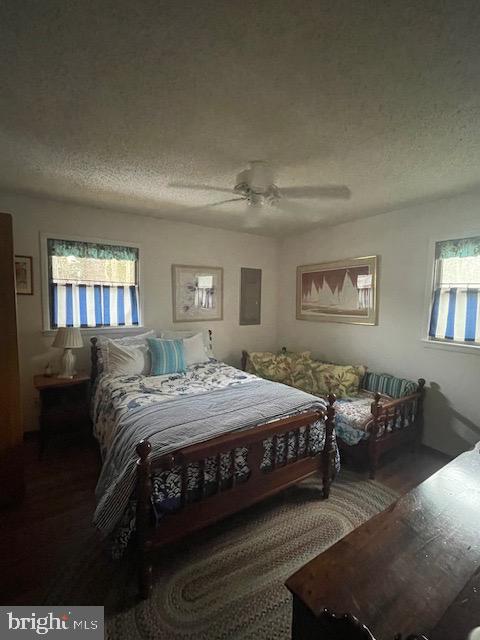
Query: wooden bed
224,500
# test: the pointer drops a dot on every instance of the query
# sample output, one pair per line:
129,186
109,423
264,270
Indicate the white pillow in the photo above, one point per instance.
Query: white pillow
128,341
194,348
126,360
172,335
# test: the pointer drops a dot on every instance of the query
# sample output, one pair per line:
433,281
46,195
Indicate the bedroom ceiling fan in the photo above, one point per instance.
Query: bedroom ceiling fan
255,185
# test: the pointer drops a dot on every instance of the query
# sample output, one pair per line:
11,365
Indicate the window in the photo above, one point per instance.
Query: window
92,284
455,309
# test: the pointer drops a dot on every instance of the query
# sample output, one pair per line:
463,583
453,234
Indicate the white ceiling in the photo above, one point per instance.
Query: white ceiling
108,102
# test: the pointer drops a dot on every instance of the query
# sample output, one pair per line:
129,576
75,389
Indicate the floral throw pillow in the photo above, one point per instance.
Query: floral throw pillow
342,380
301,371
269,366
288,367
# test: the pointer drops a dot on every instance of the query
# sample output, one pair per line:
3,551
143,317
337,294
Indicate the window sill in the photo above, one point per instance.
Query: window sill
472,349
98,331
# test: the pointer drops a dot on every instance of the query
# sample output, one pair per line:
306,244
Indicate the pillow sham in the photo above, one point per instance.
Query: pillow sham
182,334
194,349
168,356
126,360
129,341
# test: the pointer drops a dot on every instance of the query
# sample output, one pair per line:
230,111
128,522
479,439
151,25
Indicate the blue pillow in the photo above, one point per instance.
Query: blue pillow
168,356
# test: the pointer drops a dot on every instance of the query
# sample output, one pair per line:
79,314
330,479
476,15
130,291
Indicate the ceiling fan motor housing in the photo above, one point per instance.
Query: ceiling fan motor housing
256,184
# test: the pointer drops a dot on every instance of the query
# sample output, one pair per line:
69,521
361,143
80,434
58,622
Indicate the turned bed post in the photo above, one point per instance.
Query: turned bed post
94,360
144,493
244,360
373,444
419,416
328,455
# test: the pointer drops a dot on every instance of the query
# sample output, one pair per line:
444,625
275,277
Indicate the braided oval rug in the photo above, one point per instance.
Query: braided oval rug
228,580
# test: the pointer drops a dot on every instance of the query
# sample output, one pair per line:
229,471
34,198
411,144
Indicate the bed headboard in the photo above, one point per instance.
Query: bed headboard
94,349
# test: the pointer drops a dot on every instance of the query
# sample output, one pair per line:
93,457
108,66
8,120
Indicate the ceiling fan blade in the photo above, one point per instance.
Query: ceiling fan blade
340,192
207,205
295,208
198,187
217,204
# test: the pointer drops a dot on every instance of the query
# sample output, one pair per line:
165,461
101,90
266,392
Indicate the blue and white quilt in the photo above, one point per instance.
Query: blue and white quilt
175,411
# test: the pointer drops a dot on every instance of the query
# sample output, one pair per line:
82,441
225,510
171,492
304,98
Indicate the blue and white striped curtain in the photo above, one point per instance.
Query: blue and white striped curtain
456,315
94,305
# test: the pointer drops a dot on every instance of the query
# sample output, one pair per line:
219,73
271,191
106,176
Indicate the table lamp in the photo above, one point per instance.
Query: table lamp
68,338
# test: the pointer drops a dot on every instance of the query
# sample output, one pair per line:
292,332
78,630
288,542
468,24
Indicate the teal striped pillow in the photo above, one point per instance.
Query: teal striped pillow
168,356
388,384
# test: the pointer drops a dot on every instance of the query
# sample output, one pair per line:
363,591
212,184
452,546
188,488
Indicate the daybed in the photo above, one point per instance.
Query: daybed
373,413
182,451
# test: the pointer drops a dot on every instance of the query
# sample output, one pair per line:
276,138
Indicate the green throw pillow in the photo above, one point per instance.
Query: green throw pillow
342,380
269,366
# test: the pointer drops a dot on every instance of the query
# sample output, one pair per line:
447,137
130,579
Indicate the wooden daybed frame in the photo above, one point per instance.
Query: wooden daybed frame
224,500
385,411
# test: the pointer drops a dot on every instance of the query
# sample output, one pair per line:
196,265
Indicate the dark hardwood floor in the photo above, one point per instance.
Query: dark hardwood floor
54,521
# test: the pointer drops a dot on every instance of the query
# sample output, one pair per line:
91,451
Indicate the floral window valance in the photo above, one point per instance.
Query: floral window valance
461,248
79,249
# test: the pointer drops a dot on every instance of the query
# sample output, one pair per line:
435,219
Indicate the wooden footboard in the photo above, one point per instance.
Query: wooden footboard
225,499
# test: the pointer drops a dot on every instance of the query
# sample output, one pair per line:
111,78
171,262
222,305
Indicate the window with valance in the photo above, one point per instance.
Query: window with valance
92,284
455,308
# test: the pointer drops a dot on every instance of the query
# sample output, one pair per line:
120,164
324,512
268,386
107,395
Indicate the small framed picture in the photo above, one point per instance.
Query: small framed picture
23,275
197,293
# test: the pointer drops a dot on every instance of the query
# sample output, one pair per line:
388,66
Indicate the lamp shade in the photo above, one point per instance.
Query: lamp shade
68,338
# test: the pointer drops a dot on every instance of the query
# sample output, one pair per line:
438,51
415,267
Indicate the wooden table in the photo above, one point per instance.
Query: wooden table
414,568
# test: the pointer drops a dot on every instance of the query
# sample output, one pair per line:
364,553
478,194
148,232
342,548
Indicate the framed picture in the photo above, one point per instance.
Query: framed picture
197,293
342,291
23,275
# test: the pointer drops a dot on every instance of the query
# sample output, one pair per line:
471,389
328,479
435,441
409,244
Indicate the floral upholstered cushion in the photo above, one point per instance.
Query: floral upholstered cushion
342,380
269,365
355,411
285,367
301,372
353,418
349,435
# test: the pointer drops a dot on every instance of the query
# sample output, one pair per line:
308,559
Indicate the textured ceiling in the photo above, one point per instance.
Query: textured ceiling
110,102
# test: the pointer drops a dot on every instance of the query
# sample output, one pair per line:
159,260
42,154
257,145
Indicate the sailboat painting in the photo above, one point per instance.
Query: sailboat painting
342,291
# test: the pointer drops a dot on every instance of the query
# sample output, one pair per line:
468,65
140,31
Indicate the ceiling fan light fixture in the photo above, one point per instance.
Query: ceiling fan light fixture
242,188
273,195
257,198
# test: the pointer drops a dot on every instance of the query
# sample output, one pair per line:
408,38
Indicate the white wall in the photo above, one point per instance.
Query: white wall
402,239
162,243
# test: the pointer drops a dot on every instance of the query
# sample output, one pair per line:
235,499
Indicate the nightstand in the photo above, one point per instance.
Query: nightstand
63,407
